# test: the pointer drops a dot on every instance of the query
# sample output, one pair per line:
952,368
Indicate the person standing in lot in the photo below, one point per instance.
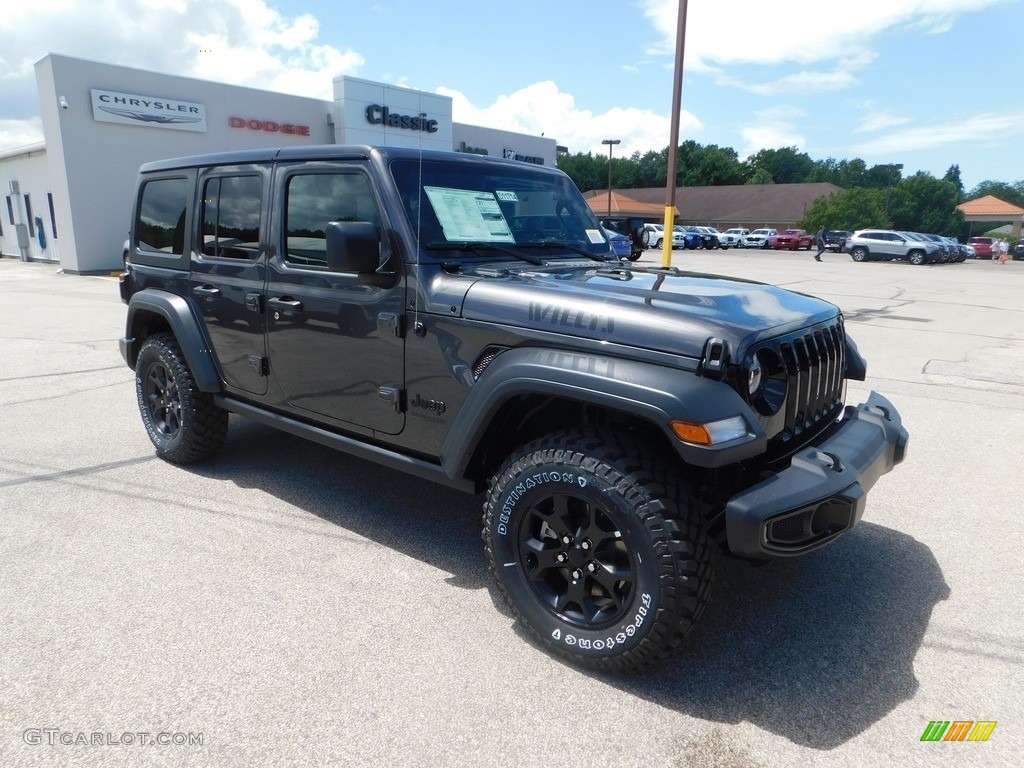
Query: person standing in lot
821,243
1004,250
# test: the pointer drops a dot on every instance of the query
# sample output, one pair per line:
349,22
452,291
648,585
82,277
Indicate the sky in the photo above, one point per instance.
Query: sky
925,83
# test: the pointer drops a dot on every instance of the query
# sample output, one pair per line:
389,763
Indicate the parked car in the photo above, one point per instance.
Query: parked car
620,244
654,236
1017,251
887,244
961,251
710,236
835,239
761,238
733,237
794,239
691,237
982,246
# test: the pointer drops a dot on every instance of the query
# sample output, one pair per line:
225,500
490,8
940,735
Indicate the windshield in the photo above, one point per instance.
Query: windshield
499,205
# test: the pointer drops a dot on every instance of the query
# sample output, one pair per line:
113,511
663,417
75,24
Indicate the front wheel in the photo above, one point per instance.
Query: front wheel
859,254
598,548
916,258
182,422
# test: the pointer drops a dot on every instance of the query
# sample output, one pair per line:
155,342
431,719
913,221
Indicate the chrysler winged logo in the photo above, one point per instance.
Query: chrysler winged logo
150,118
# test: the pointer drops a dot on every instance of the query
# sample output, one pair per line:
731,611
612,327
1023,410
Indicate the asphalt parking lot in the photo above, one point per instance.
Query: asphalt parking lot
284,604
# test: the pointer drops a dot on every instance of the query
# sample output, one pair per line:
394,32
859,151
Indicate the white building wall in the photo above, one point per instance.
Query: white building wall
352,123
27,166
92,154
498,143
94,163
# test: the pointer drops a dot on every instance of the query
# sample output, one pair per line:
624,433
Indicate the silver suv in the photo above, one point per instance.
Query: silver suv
886,244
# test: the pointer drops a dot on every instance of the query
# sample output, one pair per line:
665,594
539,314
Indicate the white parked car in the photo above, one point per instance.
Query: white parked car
761,238
654,236
733,237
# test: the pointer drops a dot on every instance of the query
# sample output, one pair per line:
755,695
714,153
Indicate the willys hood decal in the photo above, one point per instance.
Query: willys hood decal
666,312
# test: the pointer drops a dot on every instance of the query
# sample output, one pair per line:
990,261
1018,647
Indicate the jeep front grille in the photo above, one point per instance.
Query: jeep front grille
813,365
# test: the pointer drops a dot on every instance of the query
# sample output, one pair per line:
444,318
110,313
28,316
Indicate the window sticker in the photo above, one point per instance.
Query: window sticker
467,214
595,236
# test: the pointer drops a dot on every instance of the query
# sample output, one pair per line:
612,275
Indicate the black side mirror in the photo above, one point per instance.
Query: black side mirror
352,246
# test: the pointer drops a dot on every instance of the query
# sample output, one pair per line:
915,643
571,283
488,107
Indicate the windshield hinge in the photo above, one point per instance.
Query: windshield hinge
393,322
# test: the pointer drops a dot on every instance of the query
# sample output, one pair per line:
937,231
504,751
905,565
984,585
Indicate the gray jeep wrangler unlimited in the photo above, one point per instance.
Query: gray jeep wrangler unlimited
462,319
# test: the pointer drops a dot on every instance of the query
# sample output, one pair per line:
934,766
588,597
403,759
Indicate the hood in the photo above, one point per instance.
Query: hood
674,313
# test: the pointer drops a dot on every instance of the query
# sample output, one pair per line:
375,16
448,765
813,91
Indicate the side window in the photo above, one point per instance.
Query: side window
161,222
313,200
231,216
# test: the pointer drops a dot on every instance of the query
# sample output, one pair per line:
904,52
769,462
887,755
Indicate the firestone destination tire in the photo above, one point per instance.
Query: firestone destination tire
598,549
182,422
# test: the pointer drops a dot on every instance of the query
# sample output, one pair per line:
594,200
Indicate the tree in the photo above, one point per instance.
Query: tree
708,166
1009,193
586,171
785,165
851,209
953,176
922,203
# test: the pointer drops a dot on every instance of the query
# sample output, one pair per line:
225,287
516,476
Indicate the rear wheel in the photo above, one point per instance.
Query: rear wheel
598,549
182,422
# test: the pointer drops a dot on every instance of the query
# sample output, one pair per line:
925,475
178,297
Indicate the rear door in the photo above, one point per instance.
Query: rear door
228,267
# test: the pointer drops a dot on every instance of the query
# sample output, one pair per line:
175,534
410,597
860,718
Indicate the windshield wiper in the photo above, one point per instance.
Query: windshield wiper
547,244
471,246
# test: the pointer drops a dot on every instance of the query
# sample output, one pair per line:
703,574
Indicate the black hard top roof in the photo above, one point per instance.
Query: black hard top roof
320,152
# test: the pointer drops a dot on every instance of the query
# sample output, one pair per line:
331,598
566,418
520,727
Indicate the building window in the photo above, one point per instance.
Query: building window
10,210
161,222
231,217
53,218
28,213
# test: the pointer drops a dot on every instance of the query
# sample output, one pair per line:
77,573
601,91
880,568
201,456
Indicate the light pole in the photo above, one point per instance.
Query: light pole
611,143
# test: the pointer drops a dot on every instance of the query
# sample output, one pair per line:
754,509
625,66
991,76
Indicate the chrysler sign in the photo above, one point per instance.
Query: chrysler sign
149,111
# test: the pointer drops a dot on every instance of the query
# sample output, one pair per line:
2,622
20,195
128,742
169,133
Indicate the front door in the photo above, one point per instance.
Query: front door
228,271
336,344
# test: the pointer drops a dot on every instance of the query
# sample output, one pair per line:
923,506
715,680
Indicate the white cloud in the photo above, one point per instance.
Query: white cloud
731,33
245,42
18,133
741,32
878,121
976,129
773,128
542,108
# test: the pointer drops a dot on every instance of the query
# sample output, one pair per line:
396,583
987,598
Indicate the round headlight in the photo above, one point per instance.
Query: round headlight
754,377
766,382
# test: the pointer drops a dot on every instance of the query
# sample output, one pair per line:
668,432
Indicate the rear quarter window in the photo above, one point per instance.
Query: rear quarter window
160,225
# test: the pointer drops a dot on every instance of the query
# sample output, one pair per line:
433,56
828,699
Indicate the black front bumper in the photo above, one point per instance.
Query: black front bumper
822,493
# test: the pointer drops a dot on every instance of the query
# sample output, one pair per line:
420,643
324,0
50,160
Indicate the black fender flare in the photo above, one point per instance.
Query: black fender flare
651,392
186,329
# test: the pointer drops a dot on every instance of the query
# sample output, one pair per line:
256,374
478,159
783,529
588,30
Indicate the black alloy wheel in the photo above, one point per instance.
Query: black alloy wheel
598,548
182,422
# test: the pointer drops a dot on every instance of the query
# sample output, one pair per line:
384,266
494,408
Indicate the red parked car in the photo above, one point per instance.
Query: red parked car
982,246
793,239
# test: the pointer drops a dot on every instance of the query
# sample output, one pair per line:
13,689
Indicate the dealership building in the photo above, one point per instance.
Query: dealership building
69,197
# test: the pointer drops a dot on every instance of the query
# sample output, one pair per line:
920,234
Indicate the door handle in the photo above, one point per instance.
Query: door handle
285,306
206,291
